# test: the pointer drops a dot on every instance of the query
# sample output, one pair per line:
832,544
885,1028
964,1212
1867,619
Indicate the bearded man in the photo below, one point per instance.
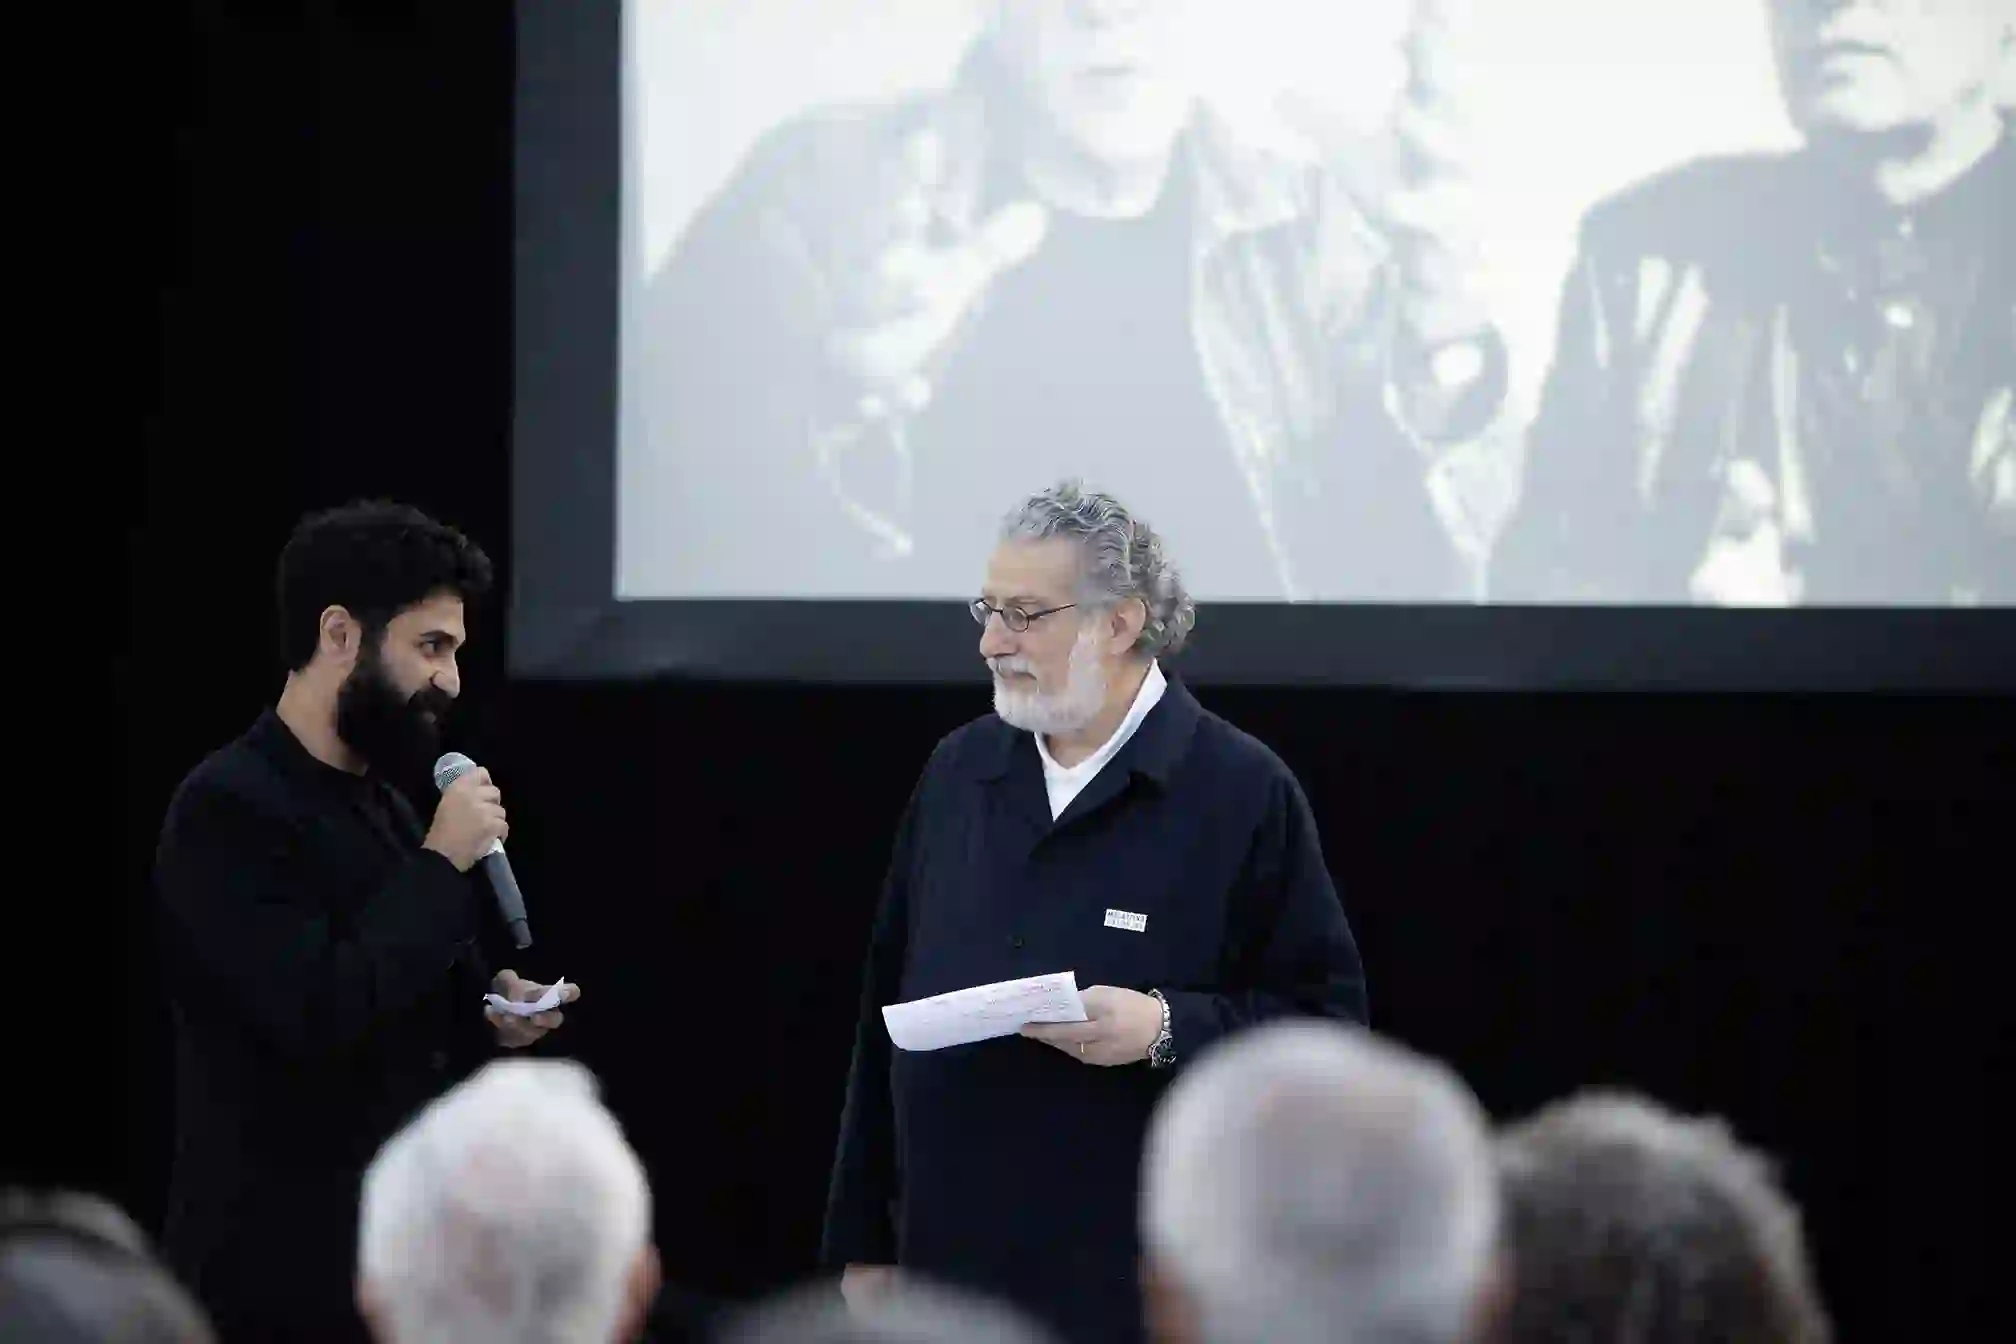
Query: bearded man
321,947
1101,822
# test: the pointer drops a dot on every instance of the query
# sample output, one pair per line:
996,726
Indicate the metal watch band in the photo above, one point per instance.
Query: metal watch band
1162,1050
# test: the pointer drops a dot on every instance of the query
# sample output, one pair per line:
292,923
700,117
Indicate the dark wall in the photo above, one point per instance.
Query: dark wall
1777,909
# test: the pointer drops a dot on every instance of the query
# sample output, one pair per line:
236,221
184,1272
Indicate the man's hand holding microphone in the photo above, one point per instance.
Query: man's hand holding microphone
468,820
469,828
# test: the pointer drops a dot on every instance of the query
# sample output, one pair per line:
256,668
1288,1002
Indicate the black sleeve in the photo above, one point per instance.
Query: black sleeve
240,914
1574,530
1293,952
859,1227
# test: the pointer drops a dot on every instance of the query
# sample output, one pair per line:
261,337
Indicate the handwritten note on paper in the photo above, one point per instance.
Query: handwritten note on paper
984,1011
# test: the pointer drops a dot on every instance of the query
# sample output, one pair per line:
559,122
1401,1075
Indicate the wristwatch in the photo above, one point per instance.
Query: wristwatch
1161,1050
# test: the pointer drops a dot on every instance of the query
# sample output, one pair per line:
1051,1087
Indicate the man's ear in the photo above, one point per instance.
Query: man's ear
1166,1308
1494,1298
340,635
373,1312
647,1276
1127,622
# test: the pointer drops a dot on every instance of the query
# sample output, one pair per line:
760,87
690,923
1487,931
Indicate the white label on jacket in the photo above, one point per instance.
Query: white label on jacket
1126,919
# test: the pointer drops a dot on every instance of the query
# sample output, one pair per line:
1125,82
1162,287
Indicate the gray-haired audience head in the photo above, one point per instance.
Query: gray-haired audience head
509,1211
919,1312
76,1270
1629,1224
1082,587
1308,1181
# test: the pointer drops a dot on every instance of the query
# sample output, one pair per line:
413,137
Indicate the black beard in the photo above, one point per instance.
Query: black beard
396,735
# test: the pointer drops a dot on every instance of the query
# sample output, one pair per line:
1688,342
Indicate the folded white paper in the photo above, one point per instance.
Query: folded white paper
545,1003
984,1011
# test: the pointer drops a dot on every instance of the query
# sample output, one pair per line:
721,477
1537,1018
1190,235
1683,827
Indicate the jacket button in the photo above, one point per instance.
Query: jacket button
438,1060
1015,942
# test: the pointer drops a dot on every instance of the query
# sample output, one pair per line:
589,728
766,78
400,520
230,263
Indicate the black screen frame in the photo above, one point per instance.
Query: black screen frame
566,623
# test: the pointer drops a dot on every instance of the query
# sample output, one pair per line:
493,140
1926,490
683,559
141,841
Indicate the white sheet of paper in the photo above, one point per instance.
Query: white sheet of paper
984,1012
544,1003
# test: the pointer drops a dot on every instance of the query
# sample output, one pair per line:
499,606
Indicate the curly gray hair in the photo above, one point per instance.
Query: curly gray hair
1123,559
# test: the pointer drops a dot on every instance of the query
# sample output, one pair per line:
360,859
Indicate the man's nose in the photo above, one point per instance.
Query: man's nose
449,683
996,640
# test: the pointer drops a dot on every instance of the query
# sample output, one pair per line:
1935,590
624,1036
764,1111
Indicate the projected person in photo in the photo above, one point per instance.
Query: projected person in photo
1065,264
1789,380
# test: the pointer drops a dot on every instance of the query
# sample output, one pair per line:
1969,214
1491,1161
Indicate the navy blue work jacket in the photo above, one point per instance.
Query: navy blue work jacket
1008,1166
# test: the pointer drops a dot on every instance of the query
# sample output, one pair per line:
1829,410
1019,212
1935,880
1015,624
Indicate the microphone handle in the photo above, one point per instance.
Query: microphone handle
510,901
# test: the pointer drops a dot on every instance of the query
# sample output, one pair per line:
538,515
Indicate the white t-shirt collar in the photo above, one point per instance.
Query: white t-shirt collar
1065,782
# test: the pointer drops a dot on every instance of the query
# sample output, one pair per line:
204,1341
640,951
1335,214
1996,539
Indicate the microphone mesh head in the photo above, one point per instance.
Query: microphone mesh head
451,767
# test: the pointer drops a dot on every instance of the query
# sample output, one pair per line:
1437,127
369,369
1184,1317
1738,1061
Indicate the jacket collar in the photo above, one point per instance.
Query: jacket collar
1156,749
1968,213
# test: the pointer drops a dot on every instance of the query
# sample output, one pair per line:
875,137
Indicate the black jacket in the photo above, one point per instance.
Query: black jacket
326,982
1762,309
1006,1165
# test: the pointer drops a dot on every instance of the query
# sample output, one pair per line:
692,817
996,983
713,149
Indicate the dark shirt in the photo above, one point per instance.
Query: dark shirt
1083,363
1908,328
1008,1166
326,981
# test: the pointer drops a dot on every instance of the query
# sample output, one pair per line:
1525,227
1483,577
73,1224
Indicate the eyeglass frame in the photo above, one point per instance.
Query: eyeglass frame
982,612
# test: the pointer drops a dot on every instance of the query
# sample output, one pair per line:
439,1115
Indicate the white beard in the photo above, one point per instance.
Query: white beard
1051,713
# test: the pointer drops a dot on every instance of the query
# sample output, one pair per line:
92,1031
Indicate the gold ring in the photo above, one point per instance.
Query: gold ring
1081,1049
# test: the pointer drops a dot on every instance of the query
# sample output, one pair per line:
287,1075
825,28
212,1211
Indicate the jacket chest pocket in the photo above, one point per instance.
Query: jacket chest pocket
1132,948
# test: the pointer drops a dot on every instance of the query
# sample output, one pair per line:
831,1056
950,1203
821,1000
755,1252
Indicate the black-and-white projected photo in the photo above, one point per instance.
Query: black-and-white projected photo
1397,301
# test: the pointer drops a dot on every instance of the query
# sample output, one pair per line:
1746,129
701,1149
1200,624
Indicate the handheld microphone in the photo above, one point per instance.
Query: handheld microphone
510,901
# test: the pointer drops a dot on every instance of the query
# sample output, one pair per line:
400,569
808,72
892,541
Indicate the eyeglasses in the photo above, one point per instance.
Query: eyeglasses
1013,617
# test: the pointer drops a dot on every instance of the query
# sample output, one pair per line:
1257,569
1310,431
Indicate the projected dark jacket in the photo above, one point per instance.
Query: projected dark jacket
1862,359
1007,1165
1366,479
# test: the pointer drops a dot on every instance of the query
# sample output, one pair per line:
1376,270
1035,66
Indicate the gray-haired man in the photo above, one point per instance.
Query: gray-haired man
1310,1183
1100,822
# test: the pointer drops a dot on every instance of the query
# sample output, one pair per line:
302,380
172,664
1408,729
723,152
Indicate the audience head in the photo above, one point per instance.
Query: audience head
914,1313
1628,1224
1309,1181
511,1211
75,1270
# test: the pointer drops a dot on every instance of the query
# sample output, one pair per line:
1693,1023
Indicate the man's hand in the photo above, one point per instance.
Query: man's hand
1744,564
1433,213
865,1285
514,1033
893,308
1120,1025
469,816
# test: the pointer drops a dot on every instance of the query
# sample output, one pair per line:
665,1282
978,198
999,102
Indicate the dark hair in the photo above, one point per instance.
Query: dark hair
1626,1223
374,559
75,1268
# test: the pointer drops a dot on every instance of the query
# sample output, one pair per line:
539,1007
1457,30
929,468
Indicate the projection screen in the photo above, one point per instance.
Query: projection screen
1444,342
